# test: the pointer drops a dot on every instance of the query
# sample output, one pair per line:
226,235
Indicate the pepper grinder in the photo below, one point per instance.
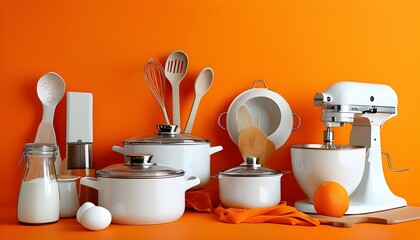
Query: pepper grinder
79,142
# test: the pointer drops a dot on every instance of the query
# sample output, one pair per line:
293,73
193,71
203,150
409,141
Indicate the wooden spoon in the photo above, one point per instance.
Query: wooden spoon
269,150
252,142
244,121
243,118
202,84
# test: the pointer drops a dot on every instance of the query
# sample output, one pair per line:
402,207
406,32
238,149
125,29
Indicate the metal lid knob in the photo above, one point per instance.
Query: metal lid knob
251,161
167,129
140,159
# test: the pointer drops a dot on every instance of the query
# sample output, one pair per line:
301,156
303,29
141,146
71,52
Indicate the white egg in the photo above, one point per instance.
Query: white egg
85,206
96,218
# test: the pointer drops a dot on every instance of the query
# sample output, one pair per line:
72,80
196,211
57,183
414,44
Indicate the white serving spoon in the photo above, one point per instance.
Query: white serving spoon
175,70
50,88
243,118
202,84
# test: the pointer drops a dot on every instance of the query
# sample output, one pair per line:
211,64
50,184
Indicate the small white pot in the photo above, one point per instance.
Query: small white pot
174,149
250,186
139,195
69,199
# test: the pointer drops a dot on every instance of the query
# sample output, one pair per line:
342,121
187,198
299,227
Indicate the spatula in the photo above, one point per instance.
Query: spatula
252,141
243,118
269,150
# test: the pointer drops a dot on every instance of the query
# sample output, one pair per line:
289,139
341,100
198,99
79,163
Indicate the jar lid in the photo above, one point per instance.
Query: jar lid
40,148
139,167
167,134
250,168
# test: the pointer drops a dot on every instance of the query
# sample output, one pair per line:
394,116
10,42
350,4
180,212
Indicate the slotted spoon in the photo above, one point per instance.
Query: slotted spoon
175,70
50,88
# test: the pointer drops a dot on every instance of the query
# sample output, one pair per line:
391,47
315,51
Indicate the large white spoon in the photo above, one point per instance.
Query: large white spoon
50,88
175,70
202,84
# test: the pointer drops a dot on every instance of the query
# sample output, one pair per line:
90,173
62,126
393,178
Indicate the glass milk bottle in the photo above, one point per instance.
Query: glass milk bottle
39,200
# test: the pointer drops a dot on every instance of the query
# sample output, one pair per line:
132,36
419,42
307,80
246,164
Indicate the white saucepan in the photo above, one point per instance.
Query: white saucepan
140,192
250,185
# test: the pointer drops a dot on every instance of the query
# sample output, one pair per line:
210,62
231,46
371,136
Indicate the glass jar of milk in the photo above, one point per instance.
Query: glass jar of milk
39,200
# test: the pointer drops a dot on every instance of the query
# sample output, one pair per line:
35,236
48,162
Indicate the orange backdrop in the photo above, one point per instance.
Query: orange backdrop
298,47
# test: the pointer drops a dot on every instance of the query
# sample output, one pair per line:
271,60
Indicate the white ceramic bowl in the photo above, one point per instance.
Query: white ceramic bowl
312,165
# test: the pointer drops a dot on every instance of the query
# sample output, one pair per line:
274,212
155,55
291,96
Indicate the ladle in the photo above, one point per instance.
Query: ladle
50,88
202,84
175,70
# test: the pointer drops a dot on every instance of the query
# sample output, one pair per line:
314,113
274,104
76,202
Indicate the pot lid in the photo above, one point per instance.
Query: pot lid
167,134
139,167
250,168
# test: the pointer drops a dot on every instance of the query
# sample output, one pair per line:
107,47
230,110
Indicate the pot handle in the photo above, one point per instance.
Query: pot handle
118,149
219,120
90,182
299,121
215,149
191,182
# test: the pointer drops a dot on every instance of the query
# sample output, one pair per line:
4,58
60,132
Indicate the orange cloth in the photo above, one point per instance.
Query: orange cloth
204,200
277,214
207,200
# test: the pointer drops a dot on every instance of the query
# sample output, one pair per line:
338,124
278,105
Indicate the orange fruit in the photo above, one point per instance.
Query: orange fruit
331,199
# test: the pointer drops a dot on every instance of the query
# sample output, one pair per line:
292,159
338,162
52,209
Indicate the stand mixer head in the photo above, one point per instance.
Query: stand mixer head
365,106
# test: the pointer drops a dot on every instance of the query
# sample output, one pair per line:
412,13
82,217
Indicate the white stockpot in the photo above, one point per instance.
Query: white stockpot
140,192
250,185
174,149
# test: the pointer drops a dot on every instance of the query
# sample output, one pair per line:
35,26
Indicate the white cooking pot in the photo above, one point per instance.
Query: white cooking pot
269,111
140,192
250,185
174,149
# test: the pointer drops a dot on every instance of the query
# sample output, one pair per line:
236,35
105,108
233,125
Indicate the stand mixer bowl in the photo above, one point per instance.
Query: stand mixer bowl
314,164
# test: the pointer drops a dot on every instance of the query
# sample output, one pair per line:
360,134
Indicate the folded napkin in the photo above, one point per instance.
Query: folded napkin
207,200
204,200
281,213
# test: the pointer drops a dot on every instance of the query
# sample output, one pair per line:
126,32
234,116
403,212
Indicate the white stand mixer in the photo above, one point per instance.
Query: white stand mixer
366,106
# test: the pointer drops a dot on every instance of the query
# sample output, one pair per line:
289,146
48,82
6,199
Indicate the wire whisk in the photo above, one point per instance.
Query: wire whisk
154,75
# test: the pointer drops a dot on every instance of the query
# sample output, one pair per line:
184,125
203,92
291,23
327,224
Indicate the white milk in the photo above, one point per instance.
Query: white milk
39,202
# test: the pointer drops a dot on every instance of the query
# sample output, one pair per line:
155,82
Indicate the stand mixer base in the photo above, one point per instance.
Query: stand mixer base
356,208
